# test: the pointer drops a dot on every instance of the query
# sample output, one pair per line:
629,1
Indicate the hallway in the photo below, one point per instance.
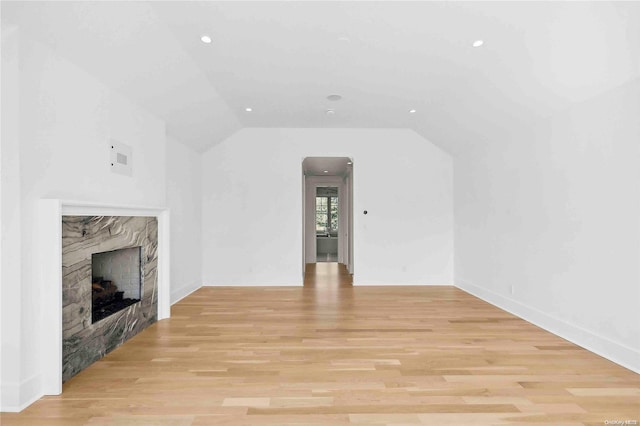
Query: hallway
327,275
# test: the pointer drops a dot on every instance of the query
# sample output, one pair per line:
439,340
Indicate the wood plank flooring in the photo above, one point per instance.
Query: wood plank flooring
327,276
330,353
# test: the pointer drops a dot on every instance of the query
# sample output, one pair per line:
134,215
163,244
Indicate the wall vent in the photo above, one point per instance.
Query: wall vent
120,158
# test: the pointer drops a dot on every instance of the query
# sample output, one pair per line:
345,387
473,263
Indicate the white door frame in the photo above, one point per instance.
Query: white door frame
346,216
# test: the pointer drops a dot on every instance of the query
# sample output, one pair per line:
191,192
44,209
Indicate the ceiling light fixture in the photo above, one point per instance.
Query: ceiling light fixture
205,39
330,112
326,171
248,109
478,43
334,97
349,163
412,111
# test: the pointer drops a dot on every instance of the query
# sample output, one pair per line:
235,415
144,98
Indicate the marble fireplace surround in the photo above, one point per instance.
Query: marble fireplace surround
83,340
49,258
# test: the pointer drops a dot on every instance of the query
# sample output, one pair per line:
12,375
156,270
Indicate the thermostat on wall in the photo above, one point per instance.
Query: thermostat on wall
120,158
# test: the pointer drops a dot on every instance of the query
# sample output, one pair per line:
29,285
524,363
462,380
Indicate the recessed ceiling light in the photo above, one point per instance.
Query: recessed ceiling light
248,109
478,43
412,111
326,171
334,97
349,162
205,39
330,112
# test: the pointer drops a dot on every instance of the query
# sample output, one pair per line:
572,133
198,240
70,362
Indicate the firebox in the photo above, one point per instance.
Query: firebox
116,281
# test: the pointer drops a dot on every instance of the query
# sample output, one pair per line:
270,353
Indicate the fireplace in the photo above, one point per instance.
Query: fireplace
69,340
116,280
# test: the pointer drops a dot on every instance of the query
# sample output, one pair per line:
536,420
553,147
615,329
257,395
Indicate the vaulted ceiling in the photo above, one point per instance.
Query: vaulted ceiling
282,60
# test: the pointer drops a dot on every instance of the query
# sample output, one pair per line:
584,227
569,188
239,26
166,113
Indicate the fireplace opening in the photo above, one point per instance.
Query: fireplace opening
116,281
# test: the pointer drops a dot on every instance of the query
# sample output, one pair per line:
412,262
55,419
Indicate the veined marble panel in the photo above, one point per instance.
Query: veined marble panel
84,342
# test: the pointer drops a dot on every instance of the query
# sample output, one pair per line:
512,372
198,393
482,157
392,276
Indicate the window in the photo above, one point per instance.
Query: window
322,204
333,213
326,214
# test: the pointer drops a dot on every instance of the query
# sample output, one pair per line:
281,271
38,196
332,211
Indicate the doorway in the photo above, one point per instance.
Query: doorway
327,214
327,217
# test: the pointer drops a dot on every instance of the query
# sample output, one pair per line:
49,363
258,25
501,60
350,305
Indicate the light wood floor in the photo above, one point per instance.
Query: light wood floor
327,276
331,354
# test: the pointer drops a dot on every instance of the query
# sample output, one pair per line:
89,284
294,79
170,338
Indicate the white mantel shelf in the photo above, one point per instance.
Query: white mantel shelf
49,262
81,208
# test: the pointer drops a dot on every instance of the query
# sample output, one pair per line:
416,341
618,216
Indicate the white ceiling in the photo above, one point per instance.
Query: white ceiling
326,166
283,58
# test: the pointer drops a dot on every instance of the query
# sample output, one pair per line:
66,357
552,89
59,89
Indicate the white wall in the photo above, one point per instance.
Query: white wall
66,119
252,205
184,199
554,214
10,209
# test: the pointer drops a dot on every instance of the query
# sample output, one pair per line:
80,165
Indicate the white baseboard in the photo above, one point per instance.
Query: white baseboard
288,284
603,346
180,293
378,284
15,397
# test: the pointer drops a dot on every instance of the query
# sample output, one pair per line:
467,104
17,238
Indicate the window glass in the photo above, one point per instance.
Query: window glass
322,204
326,214
334,213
